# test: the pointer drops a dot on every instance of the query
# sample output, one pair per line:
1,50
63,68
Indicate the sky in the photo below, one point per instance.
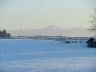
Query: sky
35,14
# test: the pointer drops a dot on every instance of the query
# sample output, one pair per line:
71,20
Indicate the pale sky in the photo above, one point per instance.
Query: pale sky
34,14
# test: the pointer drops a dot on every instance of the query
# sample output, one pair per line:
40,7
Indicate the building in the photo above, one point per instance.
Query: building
92,42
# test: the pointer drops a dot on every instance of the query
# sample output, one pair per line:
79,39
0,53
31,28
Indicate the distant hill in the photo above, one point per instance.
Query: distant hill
53,31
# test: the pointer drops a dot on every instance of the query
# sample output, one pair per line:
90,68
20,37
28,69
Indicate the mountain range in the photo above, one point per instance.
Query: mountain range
53,31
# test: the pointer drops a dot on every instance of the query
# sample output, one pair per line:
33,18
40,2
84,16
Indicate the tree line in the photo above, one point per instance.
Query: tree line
4,34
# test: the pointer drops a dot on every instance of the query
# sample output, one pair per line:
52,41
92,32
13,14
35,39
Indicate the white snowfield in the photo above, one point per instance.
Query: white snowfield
28,55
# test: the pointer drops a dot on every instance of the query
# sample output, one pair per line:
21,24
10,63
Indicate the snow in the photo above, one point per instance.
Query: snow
30,55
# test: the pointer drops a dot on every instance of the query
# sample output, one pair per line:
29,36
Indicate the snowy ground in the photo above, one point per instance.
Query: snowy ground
26,55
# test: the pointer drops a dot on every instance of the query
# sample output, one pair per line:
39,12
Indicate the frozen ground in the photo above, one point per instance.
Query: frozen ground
45,56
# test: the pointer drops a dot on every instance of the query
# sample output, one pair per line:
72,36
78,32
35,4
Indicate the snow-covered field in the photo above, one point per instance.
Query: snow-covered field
27,55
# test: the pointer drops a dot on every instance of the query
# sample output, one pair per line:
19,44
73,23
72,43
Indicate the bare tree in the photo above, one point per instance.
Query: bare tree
93,21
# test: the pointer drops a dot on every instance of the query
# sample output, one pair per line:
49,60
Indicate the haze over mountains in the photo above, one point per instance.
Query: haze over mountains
53,31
